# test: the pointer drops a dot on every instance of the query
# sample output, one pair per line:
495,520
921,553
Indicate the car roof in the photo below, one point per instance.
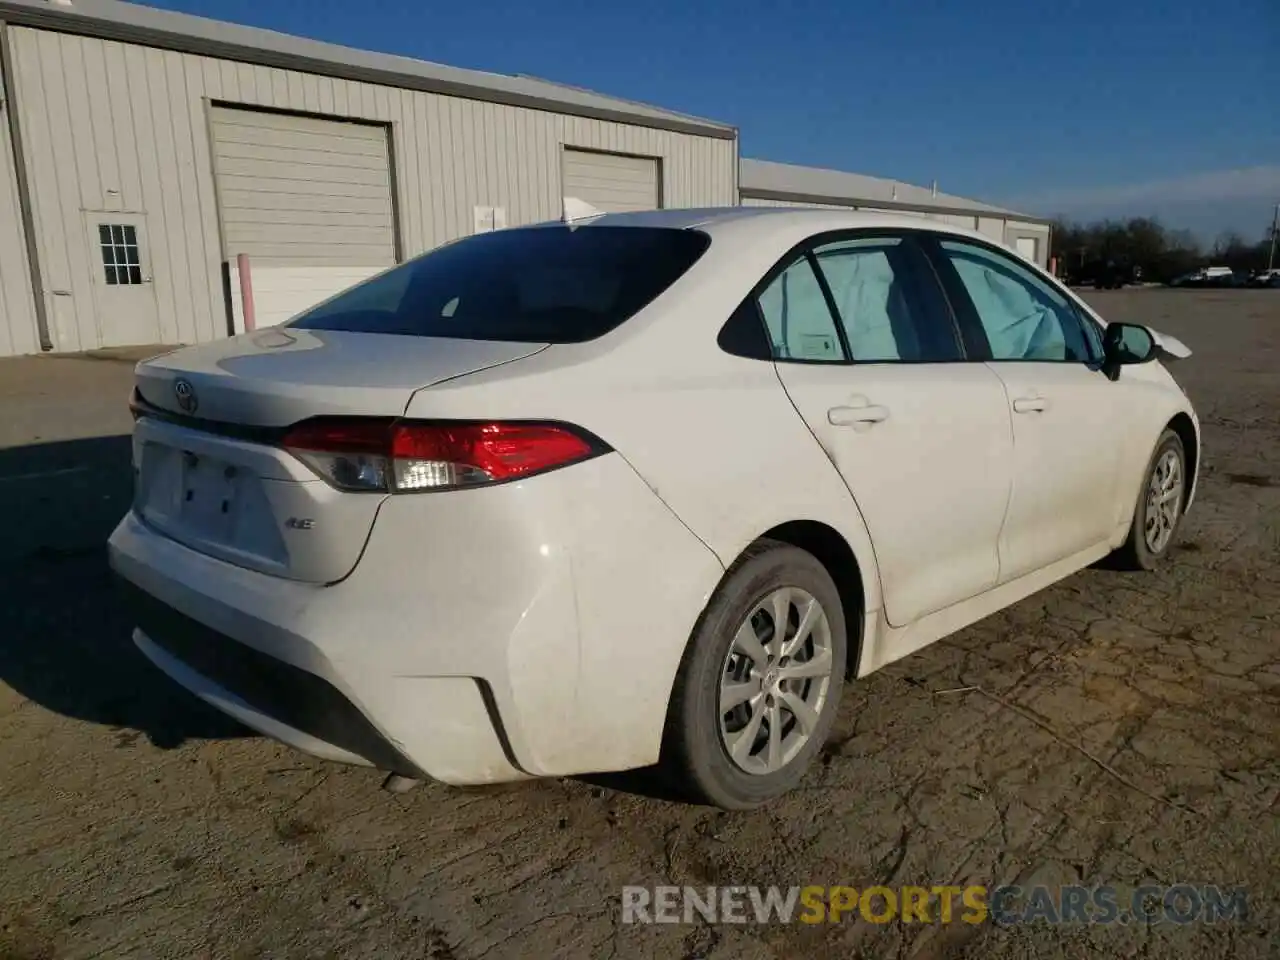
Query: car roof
793,221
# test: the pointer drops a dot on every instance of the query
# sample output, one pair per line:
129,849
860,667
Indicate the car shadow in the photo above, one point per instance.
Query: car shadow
67,640
652,782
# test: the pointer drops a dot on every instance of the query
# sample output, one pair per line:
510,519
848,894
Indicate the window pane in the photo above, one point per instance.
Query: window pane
135,275
109,255
799,321
117,234
888,301
104,233
130,235
1024,318
131,255
555,284
111,275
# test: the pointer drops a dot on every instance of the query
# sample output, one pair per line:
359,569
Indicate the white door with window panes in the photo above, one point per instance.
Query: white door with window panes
865,345
1066,436
123,292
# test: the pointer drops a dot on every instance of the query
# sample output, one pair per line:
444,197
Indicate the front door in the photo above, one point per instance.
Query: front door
867,349
1066,436
124,295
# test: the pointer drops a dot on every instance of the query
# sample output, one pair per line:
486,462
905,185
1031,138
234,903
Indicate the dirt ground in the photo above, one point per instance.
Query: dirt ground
136,823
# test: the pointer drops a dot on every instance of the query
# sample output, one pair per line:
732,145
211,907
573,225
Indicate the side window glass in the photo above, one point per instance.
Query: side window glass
799,321
888,301
1024,318
744,334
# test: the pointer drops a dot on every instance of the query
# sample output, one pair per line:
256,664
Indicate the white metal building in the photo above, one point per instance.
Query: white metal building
143,153
157,167
765,183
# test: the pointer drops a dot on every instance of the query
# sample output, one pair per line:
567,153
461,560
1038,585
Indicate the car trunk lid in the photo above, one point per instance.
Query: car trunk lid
210,468
275,378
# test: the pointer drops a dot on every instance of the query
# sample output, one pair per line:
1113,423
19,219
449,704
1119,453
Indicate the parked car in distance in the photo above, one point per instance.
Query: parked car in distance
1104,275
642,488
1207,277
1265,278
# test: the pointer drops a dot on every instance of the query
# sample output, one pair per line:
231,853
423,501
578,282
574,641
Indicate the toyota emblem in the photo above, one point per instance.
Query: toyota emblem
186,395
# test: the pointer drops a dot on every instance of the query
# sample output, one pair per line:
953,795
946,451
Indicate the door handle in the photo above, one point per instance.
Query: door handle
852,416
1030,405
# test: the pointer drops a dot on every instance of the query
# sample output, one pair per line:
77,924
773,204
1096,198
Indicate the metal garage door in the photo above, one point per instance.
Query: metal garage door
303,192
610,182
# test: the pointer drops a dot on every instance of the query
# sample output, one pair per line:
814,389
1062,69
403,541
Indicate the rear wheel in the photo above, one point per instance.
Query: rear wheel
760,682
1159,509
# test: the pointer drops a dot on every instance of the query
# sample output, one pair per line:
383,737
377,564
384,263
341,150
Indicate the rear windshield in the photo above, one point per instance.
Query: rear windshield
539,285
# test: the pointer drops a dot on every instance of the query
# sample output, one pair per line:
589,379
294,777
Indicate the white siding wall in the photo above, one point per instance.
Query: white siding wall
17,309
956,219
114,126
762,202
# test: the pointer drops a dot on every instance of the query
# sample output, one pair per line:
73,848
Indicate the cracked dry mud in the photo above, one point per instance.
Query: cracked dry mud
138,824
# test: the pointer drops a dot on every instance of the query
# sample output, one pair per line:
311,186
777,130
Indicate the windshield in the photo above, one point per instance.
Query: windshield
553,284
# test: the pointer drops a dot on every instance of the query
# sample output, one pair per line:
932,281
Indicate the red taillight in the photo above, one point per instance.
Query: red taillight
436,455
350,454
341,436
358,454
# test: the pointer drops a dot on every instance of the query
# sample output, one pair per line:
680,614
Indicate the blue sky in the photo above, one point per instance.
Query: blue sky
1083,107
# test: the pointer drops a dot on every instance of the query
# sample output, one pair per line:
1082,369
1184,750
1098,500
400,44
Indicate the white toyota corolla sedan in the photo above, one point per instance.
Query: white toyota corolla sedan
645,488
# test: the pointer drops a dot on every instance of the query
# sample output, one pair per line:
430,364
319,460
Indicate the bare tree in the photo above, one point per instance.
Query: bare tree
1144,244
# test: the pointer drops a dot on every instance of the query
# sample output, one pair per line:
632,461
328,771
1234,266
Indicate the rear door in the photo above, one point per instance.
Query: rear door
1068,418
866,347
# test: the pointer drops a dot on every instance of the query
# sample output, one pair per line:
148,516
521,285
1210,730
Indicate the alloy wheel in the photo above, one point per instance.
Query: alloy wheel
775,680
1164,501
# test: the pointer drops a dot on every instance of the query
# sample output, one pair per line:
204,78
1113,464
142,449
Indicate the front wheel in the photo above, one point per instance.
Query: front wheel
1159,509
760,682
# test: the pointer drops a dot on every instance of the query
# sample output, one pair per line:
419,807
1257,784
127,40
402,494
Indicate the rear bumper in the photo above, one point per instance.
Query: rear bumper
259,688
199,620
531,629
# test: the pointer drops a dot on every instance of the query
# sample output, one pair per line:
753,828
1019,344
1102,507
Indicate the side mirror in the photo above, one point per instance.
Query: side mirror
1124,344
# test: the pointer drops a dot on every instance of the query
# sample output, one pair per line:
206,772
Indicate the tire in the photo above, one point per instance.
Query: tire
1137,553
696,757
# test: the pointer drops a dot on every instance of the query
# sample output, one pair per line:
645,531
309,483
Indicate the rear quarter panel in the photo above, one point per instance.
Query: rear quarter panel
728,456
568,593
714,435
